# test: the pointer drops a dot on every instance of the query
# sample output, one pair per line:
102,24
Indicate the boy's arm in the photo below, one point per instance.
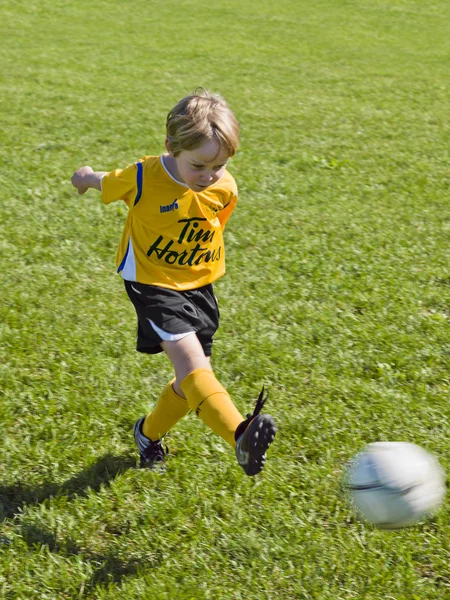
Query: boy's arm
86,178
226,211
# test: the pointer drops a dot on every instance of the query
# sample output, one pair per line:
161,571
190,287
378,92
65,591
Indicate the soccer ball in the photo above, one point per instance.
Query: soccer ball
394,484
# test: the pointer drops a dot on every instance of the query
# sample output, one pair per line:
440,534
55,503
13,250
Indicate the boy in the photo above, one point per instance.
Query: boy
170,253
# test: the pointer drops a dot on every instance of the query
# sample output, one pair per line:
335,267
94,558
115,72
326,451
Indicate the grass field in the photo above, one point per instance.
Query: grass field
336,297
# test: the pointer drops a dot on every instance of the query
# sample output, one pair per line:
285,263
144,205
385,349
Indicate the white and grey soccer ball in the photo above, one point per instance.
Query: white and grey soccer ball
395,484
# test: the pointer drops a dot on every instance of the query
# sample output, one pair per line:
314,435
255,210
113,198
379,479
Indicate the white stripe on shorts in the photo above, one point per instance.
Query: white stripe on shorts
169,337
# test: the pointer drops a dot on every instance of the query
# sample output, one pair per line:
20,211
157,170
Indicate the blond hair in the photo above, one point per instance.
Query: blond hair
199,118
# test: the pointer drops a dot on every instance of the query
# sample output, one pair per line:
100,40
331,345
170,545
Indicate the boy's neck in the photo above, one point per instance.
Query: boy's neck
171,165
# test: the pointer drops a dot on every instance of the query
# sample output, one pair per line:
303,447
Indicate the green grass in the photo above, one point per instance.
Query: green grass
336,297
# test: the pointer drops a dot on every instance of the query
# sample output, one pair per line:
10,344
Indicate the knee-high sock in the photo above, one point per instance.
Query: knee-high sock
212,403
169,409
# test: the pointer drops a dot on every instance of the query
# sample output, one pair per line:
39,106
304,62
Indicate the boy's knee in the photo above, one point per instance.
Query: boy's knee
186,356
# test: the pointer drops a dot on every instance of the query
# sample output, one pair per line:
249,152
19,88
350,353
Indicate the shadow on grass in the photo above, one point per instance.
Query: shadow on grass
112,569
14,497
108,568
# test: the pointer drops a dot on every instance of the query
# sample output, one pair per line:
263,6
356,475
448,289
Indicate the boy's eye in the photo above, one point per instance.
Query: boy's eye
215,168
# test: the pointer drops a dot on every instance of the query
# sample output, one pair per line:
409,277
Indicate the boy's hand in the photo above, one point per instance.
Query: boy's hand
80,179
86,178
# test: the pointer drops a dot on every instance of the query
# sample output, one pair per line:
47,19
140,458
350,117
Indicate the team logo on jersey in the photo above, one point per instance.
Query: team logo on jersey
169,207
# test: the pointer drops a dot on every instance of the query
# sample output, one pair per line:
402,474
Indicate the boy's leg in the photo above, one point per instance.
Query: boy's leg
149,430
250,437
212,403
194,378
169,409
204,393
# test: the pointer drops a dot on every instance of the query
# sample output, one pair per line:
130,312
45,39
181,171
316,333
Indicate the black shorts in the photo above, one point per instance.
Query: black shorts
173,313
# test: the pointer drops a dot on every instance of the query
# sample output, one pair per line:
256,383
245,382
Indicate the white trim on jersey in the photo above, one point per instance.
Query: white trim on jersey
129,268
161,158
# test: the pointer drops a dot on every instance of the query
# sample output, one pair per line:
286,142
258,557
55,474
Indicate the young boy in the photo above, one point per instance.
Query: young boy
170,253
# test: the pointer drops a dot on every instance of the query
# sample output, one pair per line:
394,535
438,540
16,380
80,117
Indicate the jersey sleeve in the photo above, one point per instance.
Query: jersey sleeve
120,184
224,214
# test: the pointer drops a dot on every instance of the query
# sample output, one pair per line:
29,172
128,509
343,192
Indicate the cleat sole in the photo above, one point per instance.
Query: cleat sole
256,440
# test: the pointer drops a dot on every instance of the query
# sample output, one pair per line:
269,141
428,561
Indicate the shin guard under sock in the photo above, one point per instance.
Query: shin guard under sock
169,409
212,403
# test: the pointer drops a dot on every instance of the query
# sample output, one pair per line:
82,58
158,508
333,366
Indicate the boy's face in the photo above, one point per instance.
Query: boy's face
202,167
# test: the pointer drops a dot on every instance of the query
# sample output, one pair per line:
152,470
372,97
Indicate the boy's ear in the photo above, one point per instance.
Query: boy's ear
167,145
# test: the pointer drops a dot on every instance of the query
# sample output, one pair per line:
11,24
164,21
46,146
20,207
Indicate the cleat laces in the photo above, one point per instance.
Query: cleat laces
250,416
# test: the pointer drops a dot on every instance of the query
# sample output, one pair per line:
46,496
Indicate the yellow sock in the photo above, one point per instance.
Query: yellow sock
169,409
212,403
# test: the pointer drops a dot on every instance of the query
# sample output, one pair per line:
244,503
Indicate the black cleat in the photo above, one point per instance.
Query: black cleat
253,438
152,454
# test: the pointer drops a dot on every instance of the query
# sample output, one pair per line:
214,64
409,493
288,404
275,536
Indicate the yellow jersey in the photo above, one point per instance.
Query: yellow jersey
173,236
